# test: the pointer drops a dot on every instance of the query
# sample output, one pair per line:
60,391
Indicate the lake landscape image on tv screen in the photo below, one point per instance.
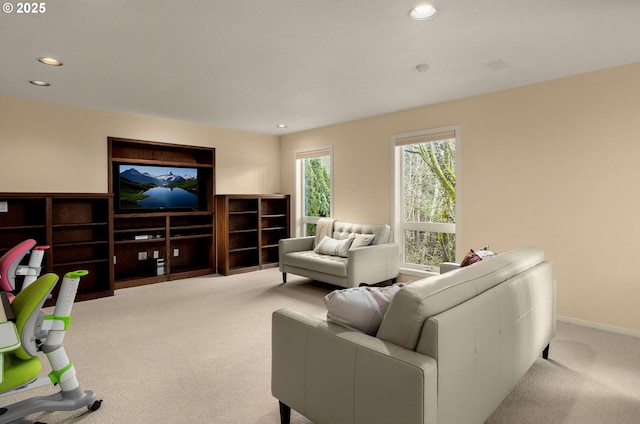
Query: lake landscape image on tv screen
157,187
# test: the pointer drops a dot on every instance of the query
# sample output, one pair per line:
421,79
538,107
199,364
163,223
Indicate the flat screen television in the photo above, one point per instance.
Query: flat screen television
152,188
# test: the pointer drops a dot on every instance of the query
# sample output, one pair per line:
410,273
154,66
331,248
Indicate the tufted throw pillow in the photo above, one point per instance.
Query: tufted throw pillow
360,308
333,247
361,240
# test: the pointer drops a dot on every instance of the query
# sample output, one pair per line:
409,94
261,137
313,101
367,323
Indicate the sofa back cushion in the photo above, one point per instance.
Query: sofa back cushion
382,232
422,299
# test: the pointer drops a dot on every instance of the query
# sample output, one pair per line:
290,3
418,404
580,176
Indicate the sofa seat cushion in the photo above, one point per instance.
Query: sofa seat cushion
308,259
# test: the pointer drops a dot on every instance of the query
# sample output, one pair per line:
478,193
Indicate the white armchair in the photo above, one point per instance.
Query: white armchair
379,261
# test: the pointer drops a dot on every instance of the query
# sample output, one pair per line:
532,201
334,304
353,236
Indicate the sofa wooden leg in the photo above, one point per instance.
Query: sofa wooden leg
285,414
284,278
545,352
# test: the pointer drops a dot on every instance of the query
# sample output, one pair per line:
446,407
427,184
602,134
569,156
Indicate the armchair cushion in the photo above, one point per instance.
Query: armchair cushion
308,259
382,232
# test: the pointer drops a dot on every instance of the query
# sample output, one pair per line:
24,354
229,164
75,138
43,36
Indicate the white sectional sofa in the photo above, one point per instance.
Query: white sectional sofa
448,350
371,264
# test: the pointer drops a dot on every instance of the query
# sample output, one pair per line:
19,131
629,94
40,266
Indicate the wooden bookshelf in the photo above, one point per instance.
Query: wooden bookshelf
74,225
248,230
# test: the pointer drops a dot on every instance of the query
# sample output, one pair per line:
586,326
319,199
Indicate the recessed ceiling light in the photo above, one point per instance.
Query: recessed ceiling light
40,83
49,61
422,12
281,126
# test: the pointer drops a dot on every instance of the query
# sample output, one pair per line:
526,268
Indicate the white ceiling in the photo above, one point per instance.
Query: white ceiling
307,63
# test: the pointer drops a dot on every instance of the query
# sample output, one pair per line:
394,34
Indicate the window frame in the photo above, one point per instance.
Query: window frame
400,226
301,221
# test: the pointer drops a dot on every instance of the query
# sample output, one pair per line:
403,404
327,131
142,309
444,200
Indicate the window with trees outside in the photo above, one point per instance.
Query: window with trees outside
425,197
314,188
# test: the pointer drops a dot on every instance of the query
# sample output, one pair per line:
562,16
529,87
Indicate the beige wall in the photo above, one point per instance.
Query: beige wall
553,164
46,147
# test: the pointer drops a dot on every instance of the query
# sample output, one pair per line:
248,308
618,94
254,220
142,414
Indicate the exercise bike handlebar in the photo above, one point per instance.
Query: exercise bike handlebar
68,291
59,321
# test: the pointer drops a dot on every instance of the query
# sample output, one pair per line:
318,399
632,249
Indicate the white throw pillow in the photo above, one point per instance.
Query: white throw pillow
485,253
360,308
333,247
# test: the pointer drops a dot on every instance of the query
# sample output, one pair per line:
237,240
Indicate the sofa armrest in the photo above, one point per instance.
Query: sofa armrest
332,374
296,244
373,264
448,266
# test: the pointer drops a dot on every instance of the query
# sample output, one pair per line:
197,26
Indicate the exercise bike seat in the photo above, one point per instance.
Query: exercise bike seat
20,366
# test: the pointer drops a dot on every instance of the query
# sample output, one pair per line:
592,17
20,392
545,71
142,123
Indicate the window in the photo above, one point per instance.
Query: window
425,197
314,189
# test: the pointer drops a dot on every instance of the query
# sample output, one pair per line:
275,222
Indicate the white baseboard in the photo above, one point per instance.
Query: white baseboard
598,326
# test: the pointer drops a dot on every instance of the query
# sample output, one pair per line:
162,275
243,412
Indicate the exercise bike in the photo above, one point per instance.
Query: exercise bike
24,333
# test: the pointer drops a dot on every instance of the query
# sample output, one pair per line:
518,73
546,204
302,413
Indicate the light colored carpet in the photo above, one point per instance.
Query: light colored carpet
199,350
592,377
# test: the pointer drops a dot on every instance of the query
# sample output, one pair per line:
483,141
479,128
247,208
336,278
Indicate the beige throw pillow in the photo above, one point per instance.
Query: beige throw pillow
361,240
333,247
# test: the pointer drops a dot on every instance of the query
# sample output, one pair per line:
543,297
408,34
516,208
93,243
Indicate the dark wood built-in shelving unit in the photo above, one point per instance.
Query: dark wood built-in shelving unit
74,225
120,247
184,239
248,230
